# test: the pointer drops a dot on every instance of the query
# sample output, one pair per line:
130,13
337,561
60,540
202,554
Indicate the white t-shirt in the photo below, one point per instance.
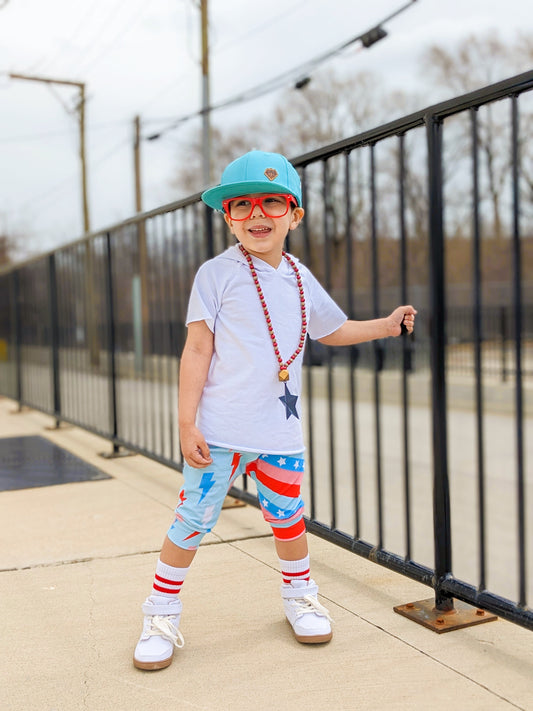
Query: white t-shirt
243,405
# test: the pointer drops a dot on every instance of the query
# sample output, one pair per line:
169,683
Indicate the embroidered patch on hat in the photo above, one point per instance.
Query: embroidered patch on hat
271,173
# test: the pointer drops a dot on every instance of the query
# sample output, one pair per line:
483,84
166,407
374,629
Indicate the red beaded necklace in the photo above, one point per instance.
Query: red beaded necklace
283,373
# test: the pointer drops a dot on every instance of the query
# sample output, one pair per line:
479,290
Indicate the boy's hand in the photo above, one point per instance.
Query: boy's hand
402,316
194,447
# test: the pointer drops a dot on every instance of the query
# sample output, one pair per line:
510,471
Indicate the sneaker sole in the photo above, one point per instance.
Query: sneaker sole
311,639
152,666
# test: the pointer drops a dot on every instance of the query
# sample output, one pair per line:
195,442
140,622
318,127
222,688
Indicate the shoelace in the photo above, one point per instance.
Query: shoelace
307,604
162,626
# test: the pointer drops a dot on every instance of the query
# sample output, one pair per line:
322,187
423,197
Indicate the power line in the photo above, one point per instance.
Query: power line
61,134
258,28
298,74
123,31
40,63
67,182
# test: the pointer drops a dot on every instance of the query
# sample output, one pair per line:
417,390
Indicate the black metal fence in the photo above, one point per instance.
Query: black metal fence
417,447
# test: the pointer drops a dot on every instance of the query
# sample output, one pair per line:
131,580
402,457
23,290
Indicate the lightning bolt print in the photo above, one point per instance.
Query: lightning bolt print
206,484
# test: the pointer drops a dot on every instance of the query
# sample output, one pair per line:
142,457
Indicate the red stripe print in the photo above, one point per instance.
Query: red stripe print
289,476
166,581
295,575
168,591
169,587
291,532
279,487
289,577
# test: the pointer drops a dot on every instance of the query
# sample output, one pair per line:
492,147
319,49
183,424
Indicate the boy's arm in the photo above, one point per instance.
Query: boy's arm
352,332
195,361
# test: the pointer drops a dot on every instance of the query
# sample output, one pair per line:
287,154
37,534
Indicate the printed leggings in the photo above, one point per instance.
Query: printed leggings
277,478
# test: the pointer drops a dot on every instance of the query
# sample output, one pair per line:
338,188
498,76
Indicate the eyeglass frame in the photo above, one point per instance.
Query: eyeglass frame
258,201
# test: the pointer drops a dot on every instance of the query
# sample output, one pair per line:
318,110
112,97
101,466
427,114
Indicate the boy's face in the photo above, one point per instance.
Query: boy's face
263,236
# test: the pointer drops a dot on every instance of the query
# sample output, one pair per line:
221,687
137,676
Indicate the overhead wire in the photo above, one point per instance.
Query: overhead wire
59,187
258,28
248,95
123,31
62,133
296,73
41,63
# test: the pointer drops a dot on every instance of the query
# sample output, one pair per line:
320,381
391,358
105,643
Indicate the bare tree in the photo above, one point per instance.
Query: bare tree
473,63
226,146
8,249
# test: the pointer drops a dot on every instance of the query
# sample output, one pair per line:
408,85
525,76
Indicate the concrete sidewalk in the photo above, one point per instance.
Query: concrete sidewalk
77,560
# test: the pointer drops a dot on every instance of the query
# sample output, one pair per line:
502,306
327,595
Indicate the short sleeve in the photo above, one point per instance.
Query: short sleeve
204,301
324,315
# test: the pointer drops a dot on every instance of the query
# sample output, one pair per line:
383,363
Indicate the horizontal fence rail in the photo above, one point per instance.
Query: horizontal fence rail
419,449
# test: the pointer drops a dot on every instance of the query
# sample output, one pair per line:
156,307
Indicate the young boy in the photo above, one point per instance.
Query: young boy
250,311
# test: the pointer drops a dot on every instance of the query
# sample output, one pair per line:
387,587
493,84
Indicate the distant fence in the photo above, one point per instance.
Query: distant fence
91,334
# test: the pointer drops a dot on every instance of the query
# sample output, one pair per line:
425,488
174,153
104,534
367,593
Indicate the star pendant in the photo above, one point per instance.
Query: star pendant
289,400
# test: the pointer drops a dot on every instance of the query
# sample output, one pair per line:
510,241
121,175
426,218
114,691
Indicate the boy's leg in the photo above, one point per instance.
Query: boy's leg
278,481
200,503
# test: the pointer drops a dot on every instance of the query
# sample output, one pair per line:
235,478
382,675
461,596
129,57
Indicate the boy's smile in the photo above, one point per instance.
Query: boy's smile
263,236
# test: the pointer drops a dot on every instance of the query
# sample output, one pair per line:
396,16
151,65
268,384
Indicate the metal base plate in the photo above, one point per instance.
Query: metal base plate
424,613
117,454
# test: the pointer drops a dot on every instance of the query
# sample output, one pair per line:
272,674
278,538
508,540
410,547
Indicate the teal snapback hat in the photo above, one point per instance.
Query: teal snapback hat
255,172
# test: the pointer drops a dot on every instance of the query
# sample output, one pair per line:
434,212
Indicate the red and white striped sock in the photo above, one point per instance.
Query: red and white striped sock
168,580
292,570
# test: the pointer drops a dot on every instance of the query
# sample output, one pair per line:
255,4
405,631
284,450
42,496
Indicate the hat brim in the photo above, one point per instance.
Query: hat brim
214,196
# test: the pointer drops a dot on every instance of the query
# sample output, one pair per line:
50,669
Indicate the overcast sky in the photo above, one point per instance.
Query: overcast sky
140,57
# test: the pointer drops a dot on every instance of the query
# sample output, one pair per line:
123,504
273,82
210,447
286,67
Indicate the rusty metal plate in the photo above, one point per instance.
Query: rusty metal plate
424,613
232,503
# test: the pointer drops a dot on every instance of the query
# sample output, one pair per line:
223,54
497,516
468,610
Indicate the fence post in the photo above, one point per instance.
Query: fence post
209,237
17,333
111,346
503,341
54,336
441,489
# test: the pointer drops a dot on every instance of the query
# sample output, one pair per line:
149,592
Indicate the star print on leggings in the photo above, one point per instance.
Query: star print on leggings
289,400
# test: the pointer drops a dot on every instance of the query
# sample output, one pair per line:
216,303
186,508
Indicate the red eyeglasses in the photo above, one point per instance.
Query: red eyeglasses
241,208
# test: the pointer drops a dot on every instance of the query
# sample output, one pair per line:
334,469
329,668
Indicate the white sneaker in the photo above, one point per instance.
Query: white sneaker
160,635
309,619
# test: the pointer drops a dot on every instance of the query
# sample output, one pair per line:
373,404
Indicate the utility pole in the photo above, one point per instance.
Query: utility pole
137,163
81,122
90,301
206,102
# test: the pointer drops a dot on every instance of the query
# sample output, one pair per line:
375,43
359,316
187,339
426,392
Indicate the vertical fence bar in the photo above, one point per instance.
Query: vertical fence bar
518,319
353,351
478,337
18,334
176,325
441,486
167,298
503,342
54,336
113,411
406,346
327,279
378,348
209,239
157,345
310,458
